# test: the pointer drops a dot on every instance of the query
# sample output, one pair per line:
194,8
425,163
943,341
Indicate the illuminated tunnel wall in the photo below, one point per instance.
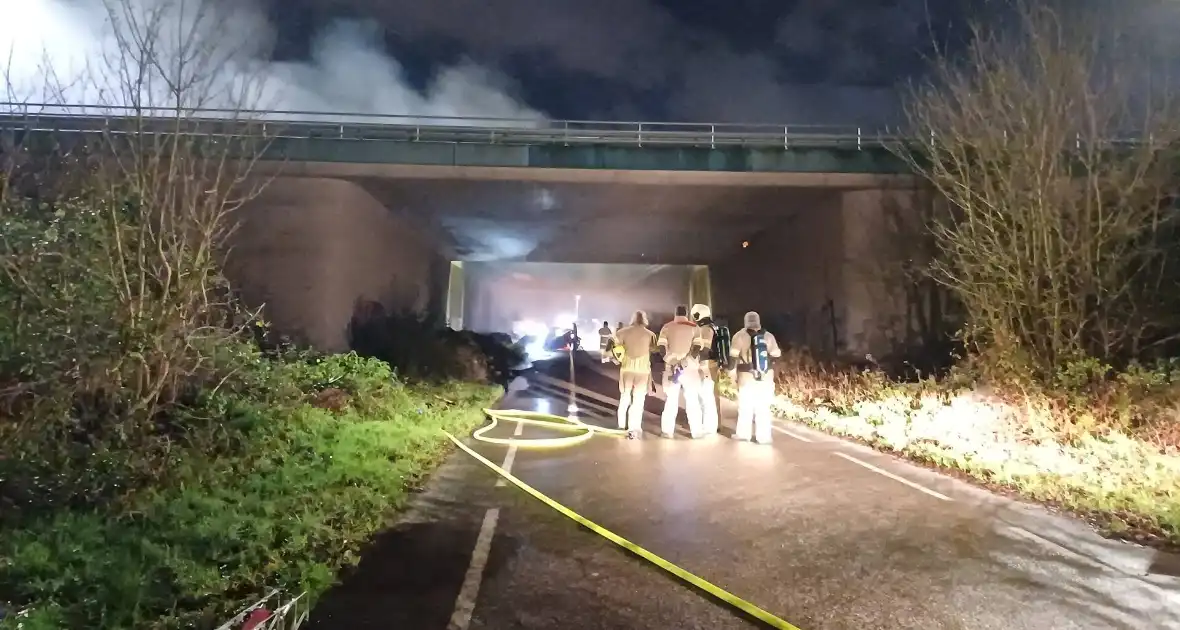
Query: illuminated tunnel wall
497,294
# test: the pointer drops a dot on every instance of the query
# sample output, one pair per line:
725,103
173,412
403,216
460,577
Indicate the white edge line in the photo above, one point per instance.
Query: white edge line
465,602
894,477
507,465
791,433
510,456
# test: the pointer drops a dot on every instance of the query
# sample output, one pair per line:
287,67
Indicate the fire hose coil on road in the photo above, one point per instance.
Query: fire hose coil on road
584,432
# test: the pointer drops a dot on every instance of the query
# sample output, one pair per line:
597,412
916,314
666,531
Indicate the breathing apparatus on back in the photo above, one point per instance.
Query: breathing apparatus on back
759,353
719,349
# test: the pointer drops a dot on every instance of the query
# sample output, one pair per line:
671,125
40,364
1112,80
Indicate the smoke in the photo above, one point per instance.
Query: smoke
87,52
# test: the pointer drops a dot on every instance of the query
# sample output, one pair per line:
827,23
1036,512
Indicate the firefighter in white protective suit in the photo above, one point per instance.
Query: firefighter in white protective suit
753,351
704,347
681,374
633,346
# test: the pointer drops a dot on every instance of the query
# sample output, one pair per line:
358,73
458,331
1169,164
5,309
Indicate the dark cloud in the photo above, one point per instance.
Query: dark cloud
819,61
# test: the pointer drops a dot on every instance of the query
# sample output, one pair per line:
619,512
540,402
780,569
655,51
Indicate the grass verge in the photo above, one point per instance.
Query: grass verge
1120,481
299,486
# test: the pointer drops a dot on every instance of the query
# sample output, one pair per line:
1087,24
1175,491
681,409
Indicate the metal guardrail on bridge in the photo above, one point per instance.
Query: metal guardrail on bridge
449,129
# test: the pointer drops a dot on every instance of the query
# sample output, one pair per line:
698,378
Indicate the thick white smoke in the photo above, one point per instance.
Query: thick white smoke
77,52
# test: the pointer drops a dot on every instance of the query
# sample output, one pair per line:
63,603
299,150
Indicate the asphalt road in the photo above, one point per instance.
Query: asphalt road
826,534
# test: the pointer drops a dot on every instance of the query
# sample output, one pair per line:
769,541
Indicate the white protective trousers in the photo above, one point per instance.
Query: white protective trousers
754,400
632,394
708,396
690,384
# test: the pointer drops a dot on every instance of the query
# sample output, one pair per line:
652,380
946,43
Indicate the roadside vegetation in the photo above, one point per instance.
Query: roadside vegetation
1051,258
164,462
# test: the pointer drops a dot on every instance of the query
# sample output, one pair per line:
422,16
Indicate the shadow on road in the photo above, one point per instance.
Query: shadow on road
406,579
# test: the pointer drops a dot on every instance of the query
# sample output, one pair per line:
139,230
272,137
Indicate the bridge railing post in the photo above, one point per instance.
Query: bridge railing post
712,136
640,134
566,131
786,138
858,142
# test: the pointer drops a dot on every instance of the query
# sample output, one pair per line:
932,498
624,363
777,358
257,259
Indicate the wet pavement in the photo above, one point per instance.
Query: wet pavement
826,534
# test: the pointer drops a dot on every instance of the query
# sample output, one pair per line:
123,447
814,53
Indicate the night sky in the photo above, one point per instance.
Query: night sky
814,61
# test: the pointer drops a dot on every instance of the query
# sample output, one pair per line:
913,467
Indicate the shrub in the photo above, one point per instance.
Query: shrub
287,499
158,468
422,346
113,324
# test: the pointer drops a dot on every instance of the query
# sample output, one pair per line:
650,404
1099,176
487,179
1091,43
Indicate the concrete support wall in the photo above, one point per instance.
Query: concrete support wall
818,278
700,288
456,295
312,249
874,291
789,273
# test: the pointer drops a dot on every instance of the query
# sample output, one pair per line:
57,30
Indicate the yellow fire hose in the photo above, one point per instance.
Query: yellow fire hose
538,419
585,432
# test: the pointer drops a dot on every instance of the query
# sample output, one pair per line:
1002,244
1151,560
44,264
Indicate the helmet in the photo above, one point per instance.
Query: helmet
701,311
752,320
639,318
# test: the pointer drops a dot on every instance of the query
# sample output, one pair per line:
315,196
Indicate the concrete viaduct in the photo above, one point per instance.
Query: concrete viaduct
453,215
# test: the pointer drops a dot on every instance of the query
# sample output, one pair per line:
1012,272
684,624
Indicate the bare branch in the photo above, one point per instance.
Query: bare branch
1057,177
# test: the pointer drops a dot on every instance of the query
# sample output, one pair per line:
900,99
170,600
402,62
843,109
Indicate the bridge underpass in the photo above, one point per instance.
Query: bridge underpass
488,247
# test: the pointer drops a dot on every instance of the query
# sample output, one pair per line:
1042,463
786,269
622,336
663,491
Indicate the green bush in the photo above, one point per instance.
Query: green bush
288,499
422,346
111,324
158,468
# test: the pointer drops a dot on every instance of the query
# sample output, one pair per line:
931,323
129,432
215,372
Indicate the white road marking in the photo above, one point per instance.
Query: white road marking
884,473
553,391
566,387
465,602
791,433
510,457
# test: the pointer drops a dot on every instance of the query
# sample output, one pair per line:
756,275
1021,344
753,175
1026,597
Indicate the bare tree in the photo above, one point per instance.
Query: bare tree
113,238
1057,157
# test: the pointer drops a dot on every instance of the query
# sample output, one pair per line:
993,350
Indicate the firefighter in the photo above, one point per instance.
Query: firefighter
681,374
753,351
637,344
605,339
712,351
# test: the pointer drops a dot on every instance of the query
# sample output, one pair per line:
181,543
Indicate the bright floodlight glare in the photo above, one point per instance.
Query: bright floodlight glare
542,405
564,321
530,328
536,350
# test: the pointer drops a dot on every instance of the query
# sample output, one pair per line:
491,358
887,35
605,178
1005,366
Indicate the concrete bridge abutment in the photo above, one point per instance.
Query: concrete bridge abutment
825,278
310,251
